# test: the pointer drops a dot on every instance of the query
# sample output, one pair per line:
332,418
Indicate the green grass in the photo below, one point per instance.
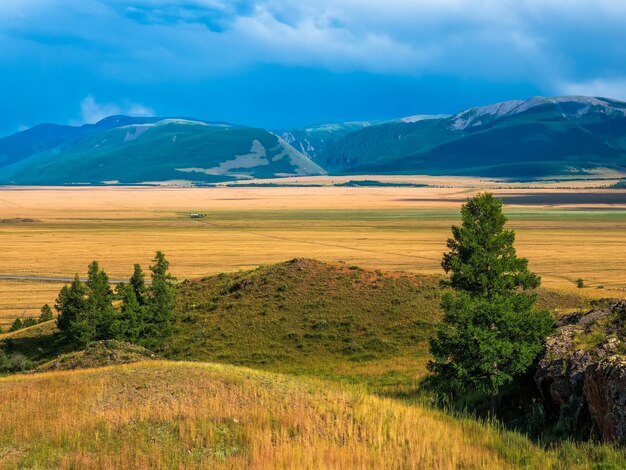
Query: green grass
312,318
304,317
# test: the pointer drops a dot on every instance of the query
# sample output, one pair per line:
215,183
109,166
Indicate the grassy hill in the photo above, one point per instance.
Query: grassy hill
308,317
302,317
191,415
336,332
168,149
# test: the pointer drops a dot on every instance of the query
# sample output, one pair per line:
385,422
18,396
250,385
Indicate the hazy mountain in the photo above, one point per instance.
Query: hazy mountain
131,150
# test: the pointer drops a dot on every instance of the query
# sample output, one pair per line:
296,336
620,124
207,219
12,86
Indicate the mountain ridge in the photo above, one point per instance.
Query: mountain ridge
537,137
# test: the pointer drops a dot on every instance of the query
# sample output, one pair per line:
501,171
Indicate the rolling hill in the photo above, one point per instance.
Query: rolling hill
313,320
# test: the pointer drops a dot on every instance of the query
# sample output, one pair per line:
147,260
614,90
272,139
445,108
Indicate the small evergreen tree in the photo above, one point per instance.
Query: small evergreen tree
71,304
99,308
580,283
46,314
129,325
490,332
17,324
138,283
29,321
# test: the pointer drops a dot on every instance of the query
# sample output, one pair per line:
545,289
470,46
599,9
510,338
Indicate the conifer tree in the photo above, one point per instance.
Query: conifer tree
100,312
490,332
71,304
138,283
46,314
160,306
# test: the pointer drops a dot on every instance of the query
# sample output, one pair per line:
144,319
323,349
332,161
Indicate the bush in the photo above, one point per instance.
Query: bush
14,362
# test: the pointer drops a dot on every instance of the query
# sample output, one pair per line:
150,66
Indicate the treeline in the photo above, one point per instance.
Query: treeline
144,313
21,322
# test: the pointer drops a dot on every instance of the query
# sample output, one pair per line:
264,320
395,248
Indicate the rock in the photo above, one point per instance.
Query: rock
605,392
581,380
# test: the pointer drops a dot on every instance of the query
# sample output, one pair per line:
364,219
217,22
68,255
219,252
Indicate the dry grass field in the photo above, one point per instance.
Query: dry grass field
565,233
190,415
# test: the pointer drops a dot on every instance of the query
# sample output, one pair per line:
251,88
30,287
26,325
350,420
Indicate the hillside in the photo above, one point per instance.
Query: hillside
155,150
328,320
301,317
532,138
185,415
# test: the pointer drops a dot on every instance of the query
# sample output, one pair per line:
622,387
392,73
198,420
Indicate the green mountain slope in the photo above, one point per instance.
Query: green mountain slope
532,138
169,149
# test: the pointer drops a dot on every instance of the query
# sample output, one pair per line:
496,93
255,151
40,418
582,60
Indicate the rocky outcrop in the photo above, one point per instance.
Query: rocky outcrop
605,392
582,376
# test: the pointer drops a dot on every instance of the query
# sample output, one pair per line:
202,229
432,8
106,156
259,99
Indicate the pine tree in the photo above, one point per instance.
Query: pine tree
71,304
100,311
129,325
17,324
160,305
490,332
46,314
138,283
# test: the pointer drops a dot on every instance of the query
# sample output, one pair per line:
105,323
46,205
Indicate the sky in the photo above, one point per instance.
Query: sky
290,63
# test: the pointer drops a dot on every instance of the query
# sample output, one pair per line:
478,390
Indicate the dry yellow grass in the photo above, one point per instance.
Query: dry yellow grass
386,227
185,415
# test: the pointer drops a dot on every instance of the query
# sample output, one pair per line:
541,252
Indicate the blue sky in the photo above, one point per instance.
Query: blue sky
289,63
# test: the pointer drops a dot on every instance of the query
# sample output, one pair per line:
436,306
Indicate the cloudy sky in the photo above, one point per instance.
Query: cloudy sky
284,63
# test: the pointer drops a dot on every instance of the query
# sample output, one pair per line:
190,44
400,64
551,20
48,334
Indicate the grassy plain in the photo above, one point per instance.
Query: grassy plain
189,415
390,228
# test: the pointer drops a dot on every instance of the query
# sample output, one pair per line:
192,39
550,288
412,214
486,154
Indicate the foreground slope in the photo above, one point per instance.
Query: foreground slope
161,150
174,415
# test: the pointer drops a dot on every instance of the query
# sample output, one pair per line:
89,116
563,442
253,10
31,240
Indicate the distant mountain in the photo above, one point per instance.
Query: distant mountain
131,150
317,141
531,138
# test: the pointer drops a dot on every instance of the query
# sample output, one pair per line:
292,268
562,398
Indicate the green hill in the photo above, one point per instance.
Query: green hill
168,149
301,317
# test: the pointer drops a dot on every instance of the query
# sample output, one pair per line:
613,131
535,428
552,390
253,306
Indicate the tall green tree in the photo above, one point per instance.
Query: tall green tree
138,283
160,304
71,304
129,325
99,309
491,331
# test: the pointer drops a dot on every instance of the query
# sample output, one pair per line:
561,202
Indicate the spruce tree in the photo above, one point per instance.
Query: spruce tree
138,283
46,314
160,306
71,304
490,332
17,324
100,311
129,325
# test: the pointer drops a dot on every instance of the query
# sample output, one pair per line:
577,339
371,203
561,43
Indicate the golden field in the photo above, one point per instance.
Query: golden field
394,228
189,415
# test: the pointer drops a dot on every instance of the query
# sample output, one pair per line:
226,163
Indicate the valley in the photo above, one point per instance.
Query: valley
388,228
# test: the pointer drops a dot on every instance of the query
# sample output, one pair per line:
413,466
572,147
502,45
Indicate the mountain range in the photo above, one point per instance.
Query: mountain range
534,138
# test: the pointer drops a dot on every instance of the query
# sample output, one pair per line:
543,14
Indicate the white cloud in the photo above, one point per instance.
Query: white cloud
91,111
604,88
